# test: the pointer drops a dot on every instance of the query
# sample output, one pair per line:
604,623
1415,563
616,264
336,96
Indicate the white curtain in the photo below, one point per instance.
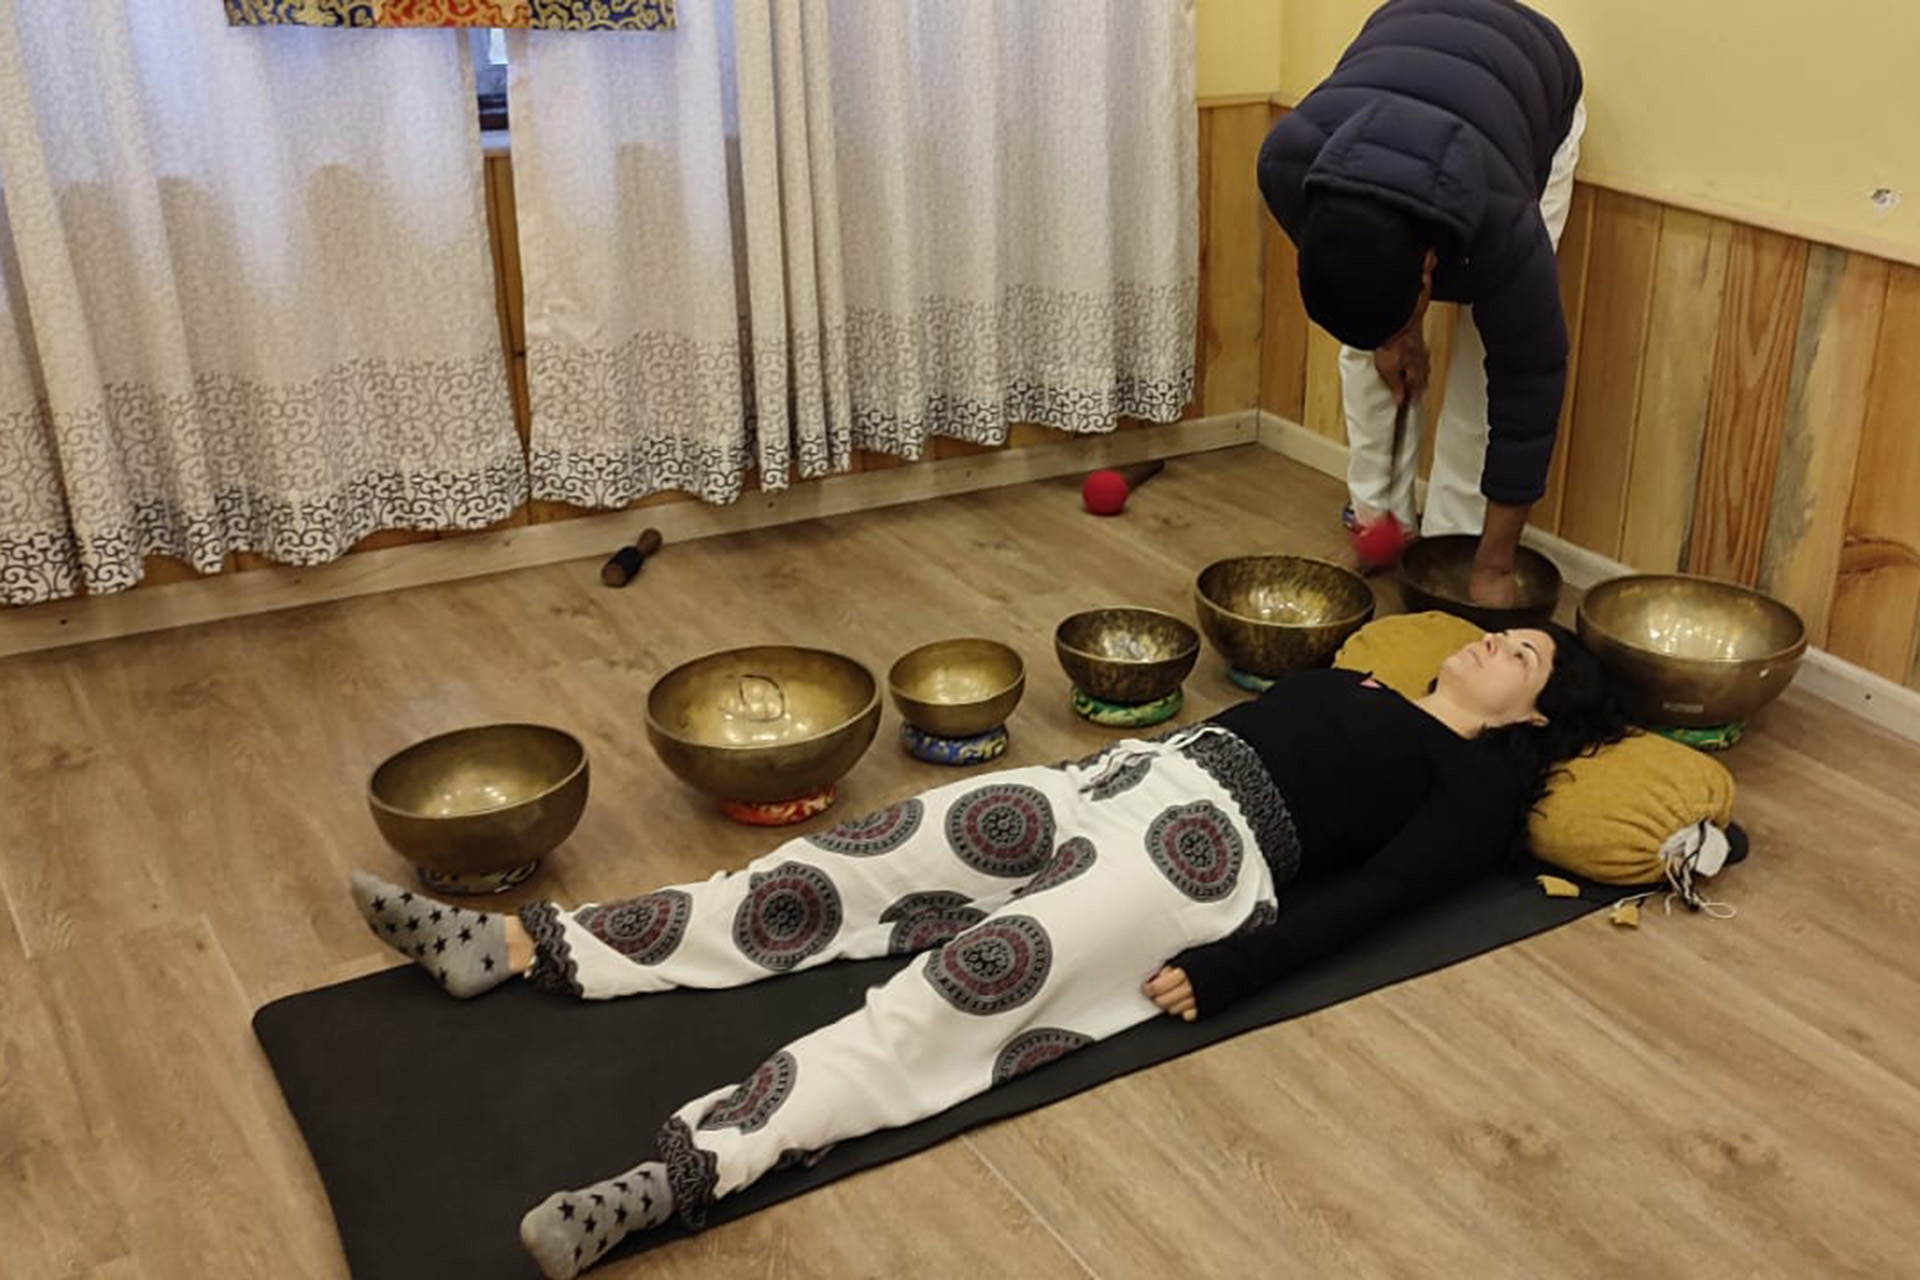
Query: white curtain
620,180
805,227
245,295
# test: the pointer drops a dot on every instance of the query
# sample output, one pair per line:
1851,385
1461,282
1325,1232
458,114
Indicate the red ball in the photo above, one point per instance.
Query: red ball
1380,542
1104,492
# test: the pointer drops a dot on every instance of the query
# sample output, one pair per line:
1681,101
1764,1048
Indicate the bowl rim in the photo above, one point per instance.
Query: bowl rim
1405,580
579,767
1019,673
866,709
1794,650
1360,613
1192,631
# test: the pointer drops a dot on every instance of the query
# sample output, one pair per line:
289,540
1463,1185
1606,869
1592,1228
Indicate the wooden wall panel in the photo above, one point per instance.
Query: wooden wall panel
1876,609
1284,325
1676,381
1231,270
1325,414
1613,339
1833,368
1576,254
1283,330
503,230
1752,367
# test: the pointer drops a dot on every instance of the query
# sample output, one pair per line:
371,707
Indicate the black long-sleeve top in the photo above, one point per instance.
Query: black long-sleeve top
1392,808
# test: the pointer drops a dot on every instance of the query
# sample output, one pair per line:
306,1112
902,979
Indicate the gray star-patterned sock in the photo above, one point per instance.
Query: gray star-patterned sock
569,1231
465,950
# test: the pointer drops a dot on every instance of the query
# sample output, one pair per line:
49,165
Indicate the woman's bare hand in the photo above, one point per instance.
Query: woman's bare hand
1170,990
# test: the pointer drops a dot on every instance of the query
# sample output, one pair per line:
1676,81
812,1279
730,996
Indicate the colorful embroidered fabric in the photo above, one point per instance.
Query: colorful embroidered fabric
563,15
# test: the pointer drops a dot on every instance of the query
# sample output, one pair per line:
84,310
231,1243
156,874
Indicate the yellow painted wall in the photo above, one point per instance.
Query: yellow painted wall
1237,47
1794,114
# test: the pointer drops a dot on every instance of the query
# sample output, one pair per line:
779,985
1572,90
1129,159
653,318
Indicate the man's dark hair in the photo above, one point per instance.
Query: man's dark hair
1361,264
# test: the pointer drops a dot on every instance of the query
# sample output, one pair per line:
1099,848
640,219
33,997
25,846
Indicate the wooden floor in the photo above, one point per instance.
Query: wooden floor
179,813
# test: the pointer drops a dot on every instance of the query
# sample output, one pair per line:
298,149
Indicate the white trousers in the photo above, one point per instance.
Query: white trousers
1044,898
1376,480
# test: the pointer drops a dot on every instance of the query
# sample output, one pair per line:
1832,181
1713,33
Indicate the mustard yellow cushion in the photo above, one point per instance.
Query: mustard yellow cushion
1404,650
1606,816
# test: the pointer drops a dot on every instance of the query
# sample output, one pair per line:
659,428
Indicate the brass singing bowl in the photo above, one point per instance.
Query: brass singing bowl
1270,614
765,723
1691,652
1127,656
1434,574
481,800
958,688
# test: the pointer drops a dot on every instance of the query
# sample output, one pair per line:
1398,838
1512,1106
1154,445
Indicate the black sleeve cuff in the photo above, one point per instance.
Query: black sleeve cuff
1216,976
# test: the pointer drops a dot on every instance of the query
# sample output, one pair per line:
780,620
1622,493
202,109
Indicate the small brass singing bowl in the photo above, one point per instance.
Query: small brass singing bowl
476,810
1126,656
1691,652
958,688
764,725
1435,573
1270,614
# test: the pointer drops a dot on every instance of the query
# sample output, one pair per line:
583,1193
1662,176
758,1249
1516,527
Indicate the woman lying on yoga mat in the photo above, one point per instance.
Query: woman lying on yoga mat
1057,906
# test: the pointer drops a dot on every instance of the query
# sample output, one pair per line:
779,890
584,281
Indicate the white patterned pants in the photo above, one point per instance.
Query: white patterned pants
1044,898
1378,481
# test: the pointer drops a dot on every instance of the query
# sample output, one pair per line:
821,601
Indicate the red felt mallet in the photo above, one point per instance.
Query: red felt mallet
1106,492
1380,542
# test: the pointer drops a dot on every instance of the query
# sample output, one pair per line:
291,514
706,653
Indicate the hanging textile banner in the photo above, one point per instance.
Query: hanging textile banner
560,15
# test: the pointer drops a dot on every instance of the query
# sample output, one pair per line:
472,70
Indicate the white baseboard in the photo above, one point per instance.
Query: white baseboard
60,623
1309,448
1872,697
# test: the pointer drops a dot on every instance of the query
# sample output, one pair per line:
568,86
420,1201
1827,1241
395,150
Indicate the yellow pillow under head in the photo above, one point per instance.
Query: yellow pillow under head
1606,816
1403,651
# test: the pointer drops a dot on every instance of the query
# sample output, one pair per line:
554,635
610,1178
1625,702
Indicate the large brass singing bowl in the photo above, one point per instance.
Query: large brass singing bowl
763,724
1271,614
958,688
1126,656
481,801
1691,652
1434,574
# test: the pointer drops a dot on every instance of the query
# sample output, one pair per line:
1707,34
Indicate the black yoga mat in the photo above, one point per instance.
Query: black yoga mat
436,1123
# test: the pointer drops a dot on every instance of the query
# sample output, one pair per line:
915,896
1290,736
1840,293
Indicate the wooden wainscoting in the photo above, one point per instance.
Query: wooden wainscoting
1743,403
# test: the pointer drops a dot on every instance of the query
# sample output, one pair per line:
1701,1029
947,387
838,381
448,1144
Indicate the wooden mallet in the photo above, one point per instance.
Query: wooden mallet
1380,542
624,565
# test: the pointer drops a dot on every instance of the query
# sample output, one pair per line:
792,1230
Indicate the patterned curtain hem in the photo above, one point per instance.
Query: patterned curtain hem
660,412
1072,409
339,447
608,480
53,565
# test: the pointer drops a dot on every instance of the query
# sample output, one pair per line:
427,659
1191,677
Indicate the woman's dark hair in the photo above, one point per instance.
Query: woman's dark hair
1583,714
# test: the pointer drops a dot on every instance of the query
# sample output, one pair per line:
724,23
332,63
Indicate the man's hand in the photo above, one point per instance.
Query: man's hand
1493,583
1170,990
1494,588
1403,365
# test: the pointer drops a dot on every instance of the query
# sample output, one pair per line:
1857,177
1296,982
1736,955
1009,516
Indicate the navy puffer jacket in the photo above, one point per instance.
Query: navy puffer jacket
1451,110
